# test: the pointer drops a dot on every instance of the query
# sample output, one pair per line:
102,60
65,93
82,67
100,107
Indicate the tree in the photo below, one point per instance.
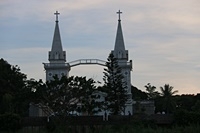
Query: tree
196,107
167,99
137,94
66,95
89,97
151,91
14,95
114,86
185,101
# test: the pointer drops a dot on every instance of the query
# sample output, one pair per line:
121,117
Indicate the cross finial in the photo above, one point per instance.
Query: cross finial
56,13
119,12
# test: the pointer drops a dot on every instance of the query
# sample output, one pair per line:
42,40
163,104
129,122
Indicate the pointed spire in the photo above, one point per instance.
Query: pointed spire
119,50
57,44
57,52
119,42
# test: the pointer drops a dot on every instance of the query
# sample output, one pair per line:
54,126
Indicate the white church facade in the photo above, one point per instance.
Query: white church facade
59,66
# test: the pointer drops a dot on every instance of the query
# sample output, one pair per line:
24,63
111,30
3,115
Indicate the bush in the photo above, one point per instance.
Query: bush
10,122
184,118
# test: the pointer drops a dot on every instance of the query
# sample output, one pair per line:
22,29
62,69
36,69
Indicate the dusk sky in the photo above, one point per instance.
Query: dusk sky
162,37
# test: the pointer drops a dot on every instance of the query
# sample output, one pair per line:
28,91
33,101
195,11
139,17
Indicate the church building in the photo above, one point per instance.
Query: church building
58,66
121,54
57,57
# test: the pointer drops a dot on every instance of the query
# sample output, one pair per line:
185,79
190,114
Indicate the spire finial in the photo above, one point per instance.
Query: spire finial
119,12
56,13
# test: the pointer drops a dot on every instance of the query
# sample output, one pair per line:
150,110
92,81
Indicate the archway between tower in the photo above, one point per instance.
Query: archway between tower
87,62
91,68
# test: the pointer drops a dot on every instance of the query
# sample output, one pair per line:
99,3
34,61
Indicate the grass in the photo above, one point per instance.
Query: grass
115,129
142,129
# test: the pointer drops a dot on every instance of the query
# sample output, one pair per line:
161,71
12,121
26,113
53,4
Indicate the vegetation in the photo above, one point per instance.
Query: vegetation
10,122
114,87
130,128
169,104
137,94
185,118
13,91
151,91
61,97
148,129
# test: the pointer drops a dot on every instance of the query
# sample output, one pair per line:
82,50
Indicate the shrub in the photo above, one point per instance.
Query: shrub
10,122
183,117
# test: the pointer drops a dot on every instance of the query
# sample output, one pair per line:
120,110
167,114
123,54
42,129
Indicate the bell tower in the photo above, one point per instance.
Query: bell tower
57,57
121,55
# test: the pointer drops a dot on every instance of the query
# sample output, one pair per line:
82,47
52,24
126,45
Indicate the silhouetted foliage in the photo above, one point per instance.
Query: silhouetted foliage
62,96
114,86
168,102
10,122
138,94
185,118
14,95
89,97
185,102
151,91
196,107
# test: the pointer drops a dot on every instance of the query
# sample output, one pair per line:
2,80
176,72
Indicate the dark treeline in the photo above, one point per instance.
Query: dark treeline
17,92
187,102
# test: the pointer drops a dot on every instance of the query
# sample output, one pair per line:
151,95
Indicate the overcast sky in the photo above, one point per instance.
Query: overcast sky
162,37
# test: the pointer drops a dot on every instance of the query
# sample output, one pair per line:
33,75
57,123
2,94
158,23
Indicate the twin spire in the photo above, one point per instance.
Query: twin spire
58,55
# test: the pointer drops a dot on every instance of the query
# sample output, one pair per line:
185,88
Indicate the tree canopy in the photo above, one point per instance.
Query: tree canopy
151,91
137,94
114,86
66,95
169,104
13,91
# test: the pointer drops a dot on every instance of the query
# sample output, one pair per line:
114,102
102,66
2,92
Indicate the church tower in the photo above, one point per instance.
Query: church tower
57,57
121,54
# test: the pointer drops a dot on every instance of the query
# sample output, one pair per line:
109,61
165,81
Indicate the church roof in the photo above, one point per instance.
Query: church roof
57,54
119,42
57,44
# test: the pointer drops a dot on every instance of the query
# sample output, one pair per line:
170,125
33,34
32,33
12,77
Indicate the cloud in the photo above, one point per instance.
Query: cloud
162,37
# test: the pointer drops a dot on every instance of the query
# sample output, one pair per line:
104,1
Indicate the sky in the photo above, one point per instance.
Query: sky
162,37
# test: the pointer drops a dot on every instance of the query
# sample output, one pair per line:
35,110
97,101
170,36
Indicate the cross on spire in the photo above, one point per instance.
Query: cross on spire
56,13
119,12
